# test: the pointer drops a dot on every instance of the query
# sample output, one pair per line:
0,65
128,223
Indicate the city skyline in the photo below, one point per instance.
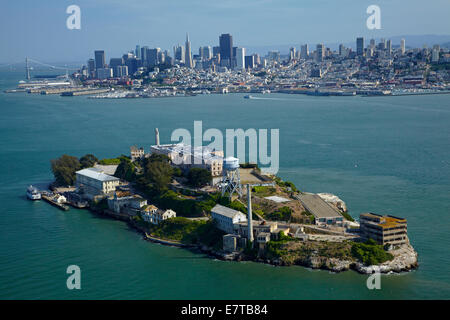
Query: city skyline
291,24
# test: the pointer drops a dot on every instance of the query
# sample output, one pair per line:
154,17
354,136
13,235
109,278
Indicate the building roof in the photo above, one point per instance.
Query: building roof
150,207
96,174
109,169
201,152
317,206
385,221
225,211
121,194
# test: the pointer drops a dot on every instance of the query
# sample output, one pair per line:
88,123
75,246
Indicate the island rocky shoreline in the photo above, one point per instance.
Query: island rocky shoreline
405,258
405,261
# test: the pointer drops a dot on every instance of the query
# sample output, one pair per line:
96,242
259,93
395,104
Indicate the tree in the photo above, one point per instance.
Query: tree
159,173
125,170
64,169
177,172
157,157
199,177
88,160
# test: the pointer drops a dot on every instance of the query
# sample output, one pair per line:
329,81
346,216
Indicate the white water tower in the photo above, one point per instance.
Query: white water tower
231,180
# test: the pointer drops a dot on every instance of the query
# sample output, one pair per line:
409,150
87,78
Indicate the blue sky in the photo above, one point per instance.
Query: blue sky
38,28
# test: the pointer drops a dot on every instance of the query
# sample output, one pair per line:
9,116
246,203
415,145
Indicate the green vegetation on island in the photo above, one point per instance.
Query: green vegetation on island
186,231
199,177
370,253
64,169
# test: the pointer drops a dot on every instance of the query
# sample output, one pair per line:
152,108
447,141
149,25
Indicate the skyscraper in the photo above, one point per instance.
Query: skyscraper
320,52
256,58
205,53
144,50
240,58
91,67
435,53
389,47
341,50
226,48
137,52
304,51
178,52
402,46
292,53
153,57
99,59
360,46
114,63
188,55
249,62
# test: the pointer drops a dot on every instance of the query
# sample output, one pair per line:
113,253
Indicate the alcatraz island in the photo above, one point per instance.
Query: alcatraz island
228,210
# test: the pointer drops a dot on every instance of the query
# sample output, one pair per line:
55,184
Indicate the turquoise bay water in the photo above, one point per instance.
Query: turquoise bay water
383,154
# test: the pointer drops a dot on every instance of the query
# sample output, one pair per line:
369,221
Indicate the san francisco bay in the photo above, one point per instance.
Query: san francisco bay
388,155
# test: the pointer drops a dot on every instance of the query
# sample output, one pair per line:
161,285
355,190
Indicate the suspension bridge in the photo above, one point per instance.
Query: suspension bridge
29,67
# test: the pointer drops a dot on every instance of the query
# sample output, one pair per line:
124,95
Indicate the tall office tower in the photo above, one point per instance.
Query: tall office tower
216,50
207,53
114,62
120,71
99,59
137,52
169,60
320,52
226,48
161,57
127,56
153,56
256,59
435,53
341,50
274,55
304,51
249,62
372,43
402,46
382,44
292,54
389,47
188,55
240,58
133,64
144,50
178,53
91,67
360,46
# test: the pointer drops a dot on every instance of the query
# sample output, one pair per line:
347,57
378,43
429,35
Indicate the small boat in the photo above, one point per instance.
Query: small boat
33,193
248,97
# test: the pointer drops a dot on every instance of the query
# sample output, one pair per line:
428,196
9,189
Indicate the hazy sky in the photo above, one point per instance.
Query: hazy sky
37,28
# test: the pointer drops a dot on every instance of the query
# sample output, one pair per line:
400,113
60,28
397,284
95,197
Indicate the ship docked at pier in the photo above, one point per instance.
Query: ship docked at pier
33,193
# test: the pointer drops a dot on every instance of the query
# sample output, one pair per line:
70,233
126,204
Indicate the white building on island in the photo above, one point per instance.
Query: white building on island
92,183
226,218
154,215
